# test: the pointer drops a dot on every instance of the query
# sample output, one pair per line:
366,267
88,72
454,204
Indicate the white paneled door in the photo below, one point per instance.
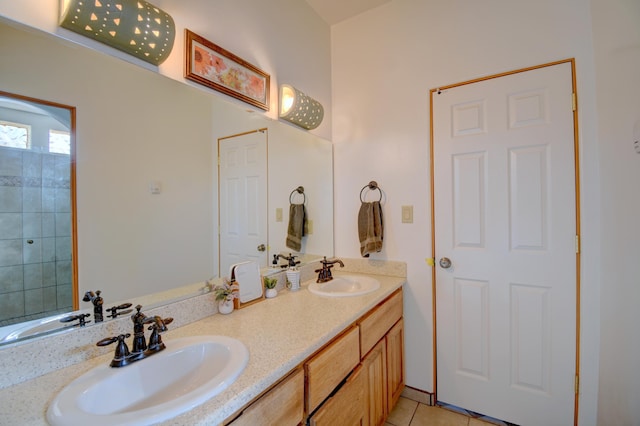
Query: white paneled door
243,199
505,245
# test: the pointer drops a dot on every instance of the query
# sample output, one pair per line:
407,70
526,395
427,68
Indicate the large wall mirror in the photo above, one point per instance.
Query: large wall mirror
146,167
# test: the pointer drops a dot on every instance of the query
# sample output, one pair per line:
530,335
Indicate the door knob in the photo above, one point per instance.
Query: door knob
445,263
261,247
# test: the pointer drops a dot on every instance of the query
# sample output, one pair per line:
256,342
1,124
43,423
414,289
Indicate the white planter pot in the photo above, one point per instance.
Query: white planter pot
270,292
225,306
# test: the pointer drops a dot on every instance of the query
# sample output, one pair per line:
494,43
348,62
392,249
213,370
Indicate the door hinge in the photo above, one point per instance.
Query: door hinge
577,244
577,385
574,101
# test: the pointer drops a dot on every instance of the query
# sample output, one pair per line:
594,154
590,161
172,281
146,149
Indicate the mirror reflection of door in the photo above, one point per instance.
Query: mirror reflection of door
37,273
242,180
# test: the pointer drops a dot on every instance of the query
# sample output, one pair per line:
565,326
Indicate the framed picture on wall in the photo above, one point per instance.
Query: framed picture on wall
212,66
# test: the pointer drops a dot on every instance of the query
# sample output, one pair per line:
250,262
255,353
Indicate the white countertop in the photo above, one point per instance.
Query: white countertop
280,333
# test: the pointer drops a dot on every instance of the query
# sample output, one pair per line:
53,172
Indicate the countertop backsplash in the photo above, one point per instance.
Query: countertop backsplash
27,360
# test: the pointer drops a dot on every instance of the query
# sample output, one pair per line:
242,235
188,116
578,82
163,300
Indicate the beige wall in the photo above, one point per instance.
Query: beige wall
384,63
616,27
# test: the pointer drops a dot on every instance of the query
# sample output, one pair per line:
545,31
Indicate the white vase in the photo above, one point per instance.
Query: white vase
225,306
270,292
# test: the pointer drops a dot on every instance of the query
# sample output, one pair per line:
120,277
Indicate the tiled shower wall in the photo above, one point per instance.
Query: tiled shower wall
35,235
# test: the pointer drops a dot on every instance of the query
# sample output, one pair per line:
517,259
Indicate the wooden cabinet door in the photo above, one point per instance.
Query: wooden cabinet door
283,405
374,367
395,363
347,406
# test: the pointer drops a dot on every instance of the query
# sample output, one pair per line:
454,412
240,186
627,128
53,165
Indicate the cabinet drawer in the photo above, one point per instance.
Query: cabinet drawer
282,405
347,407
331,366
375,325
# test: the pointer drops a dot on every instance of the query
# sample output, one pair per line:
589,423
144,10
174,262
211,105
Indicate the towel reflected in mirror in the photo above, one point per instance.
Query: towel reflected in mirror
297,224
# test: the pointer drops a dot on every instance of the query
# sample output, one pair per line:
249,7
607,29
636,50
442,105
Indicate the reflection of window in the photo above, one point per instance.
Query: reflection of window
15,135
59,142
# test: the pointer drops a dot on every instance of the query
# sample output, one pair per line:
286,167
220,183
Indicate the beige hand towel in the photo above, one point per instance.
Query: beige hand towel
370,228
295,230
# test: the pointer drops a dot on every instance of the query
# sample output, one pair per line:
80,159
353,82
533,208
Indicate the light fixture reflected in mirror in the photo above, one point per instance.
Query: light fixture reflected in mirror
300,109
132,26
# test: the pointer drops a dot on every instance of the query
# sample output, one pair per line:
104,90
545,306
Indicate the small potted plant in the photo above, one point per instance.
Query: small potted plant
270,286
225,293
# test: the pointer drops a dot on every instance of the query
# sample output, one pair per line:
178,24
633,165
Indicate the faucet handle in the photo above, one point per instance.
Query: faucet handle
114,310
109,340
80,317
158,325
122,354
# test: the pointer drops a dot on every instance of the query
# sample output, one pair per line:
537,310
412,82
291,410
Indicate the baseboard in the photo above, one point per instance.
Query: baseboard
418,395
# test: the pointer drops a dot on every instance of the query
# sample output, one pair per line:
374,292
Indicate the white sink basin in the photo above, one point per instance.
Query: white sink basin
345,286
188,372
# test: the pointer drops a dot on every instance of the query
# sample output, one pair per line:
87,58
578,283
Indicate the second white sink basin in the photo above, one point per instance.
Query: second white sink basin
190,371
345,286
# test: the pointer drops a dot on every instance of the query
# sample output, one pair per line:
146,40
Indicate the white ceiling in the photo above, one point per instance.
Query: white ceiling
334,11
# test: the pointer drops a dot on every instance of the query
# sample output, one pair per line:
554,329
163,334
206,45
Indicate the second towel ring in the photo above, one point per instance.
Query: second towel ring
299,190
372,185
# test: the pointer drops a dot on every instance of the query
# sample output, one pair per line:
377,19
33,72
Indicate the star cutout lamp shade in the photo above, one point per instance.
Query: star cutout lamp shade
133,26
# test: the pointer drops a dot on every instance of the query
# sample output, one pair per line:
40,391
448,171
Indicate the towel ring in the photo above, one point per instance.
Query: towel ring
299,190
372,185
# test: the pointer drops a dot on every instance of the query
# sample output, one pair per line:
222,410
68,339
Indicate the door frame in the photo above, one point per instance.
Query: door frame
432,260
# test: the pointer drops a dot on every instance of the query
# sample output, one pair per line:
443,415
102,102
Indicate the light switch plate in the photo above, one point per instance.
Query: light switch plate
309,227
279,214
407,214
155,187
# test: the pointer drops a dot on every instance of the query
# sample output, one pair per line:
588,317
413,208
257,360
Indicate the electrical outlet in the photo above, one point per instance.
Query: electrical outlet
407,214
279,214
309,228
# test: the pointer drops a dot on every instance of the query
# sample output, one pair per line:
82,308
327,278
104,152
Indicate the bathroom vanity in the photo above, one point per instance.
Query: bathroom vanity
310,357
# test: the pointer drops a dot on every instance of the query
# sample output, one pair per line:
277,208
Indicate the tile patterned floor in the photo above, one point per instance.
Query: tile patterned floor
411,413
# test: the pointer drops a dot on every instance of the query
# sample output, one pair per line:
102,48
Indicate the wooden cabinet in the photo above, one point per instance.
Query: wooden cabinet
395,363
327,369
346,407
374,367
282,405
382,330
356,379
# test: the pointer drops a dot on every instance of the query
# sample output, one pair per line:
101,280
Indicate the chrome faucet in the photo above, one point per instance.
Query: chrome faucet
324,274
123,356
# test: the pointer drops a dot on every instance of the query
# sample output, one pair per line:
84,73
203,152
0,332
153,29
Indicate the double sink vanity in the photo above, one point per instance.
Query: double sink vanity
326,352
